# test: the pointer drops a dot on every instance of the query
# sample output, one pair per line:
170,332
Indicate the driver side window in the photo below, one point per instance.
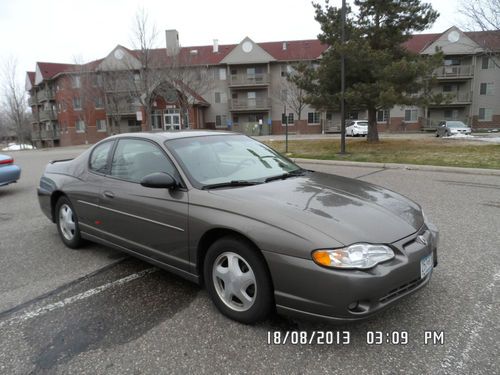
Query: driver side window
134,158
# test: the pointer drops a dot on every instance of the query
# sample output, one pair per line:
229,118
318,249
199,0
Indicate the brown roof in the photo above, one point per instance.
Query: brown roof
31,77
295,49
419,42
486,39
49,70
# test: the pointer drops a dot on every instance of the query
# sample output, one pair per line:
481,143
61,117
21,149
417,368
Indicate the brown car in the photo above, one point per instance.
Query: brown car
261,233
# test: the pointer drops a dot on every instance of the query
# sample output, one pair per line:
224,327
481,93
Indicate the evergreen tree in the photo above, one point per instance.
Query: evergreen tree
380,72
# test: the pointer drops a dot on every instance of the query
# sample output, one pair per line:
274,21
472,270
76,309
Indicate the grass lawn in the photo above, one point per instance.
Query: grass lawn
429,151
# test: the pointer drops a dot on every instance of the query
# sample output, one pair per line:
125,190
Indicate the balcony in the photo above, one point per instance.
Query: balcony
258,104
47,115
454,72
32,101
45,135
248,80
122,109
460,98
44,95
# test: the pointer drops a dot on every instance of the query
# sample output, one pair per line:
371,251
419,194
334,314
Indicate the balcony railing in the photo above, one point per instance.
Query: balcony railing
44,95
249,80
48,115
250,104
45,135
122,110
454,71
32,101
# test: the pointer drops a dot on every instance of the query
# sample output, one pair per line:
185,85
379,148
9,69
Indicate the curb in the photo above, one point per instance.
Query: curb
413,167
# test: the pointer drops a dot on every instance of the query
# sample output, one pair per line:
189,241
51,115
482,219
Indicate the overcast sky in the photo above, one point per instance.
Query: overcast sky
59,31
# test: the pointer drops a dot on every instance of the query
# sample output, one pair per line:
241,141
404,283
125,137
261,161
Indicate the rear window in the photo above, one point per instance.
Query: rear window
362,123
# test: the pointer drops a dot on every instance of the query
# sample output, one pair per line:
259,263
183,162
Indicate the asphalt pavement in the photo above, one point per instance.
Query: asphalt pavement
96,311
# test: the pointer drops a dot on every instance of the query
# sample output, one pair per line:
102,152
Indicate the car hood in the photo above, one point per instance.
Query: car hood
344,209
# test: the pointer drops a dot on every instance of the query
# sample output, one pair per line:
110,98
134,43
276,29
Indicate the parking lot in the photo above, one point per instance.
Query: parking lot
95,310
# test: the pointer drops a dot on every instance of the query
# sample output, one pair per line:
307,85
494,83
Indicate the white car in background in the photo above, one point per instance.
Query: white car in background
356,127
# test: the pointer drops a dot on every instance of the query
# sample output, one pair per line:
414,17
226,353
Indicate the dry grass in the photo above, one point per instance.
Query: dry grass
429,151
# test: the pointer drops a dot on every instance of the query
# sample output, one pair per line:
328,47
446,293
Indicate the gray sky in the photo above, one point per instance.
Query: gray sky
59,31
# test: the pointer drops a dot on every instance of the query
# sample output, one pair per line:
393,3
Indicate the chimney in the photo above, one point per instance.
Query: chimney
284,46
216,46
172,38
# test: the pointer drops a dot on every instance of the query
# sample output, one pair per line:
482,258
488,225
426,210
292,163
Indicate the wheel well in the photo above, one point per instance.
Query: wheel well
209,238
53,201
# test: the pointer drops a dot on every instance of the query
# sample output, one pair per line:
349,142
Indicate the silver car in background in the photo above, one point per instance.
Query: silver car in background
449,128
9,172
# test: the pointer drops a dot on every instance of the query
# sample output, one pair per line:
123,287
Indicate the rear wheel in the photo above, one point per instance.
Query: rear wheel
67,223
238,280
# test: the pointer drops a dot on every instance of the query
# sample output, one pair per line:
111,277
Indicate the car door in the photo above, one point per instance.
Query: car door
149,221
84,193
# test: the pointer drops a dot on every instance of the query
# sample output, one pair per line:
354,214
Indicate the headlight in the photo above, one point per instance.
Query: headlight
357,256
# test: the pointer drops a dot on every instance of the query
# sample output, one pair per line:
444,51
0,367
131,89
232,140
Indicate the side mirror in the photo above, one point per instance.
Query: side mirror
159,180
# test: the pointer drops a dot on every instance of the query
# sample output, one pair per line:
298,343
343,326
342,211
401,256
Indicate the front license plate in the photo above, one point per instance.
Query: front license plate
426,264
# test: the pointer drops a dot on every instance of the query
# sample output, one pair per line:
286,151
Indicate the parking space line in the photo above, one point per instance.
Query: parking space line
78,297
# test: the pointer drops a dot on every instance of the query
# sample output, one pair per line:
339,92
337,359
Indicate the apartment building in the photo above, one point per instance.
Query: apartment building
243,87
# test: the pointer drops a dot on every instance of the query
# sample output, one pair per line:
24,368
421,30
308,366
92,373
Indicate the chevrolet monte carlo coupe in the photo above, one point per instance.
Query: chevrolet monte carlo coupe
228,212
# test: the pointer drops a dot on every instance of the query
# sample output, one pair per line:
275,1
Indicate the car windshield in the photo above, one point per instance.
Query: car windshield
235,160
456,124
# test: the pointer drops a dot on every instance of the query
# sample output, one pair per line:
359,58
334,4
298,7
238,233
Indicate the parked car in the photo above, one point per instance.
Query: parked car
9,172
356,127
226,211
448,128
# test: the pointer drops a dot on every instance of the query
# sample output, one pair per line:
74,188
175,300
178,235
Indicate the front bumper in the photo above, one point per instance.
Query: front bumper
304,289
9,174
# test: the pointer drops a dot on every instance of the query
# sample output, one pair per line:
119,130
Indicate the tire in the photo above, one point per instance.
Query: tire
437,134
67,223
248,297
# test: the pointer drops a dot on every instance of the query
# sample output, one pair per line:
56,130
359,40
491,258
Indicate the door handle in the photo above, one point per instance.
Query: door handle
108,194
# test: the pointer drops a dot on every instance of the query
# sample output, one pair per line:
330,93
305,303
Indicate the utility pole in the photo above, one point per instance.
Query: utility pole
342,81
285,117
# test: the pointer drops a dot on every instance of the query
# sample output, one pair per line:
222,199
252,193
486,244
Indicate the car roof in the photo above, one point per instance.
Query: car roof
164,136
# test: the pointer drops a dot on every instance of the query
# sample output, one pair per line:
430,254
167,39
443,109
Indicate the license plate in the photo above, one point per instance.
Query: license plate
426,264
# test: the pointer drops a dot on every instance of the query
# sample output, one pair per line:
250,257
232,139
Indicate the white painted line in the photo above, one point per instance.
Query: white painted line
69,300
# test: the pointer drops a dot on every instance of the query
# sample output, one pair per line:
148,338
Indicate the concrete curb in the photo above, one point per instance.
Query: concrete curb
414,167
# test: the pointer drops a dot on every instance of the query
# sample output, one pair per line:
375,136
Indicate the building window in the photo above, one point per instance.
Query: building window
217,97
449,88
451,114
290,119
485,114
313,117
80,126
486,89
382,115
410,115
286,70
101,125
218,121
235,119
99,102
353,115
486,63
156,120
451,61
77,103
98,80
77,82
222,74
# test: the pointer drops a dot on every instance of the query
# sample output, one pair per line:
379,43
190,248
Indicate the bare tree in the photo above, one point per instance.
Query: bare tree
149,75
482,14
14,101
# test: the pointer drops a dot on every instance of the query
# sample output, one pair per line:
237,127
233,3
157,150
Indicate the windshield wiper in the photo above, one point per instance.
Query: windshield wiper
298,172
230,183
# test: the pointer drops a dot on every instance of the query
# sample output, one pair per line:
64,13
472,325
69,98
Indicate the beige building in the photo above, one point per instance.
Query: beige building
245,89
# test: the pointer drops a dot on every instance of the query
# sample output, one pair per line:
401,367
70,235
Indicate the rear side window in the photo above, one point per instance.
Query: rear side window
134,158
99,157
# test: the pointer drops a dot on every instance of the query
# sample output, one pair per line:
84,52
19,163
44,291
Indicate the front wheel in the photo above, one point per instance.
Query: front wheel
238,281
67,223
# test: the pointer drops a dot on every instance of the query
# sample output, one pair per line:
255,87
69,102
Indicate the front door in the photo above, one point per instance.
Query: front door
172,120
152,222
